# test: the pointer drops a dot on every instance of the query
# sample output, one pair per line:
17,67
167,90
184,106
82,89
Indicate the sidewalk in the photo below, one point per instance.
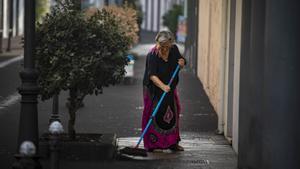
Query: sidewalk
16,48
202,151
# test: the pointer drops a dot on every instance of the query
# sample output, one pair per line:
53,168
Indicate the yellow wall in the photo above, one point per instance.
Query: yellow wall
211,48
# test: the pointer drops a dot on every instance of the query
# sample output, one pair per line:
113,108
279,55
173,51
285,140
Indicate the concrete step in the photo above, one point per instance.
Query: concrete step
88,146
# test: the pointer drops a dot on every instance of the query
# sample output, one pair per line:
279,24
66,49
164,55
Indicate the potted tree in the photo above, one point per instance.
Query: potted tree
79,54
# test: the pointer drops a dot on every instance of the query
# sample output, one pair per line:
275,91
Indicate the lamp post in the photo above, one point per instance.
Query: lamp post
28,124
55,129
54,115
1,24
27,159
17,17
10,20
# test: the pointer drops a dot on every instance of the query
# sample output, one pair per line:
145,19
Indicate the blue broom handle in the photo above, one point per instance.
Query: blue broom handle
157,107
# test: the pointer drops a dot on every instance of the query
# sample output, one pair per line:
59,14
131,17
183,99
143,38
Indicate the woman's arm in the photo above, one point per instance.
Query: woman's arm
180,58
159,83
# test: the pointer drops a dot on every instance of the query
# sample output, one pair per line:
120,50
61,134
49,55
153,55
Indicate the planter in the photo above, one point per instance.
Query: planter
84,147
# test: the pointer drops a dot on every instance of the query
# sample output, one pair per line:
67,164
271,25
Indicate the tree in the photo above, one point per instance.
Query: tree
127,18
139,13
42,7
79,54
170,19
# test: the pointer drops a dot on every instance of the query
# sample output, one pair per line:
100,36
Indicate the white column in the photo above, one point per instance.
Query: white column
155,20
15,18
185,6
236,81
149,13
222,77
162,12
21,17
143,4
5,19
167,5
227,74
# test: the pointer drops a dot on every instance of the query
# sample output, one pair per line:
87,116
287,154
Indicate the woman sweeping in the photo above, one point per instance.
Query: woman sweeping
161,62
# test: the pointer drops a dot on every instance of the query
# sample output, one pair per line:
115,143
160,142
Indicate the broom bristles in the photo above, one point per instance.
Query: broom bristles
134,151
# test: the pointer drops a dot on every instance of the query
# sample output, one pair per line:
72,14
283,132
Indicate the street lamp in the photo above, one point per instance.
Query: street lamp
27,159
10,30
28,124
54,115
27,148
17,17
55,129
1,24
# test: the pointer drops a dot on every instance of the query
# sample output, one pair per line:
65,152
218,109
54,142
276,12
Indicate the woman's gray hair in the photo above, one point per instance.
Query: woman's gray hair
164,36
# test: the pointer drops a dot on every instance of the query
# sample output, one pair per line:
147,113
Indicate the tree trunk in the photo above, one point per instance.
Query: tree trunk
75,101
72,106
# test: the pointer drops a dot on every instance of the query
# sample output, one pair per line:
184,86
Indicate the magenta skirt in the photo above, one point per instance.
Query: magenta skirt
164,130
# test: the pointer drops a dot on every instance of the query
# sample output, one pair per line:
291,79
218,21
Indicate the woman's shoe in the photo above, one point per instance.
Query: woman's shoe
176,147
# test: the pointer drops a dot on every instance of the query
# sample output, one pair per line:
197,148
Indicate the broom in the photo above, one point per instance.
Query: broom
136,151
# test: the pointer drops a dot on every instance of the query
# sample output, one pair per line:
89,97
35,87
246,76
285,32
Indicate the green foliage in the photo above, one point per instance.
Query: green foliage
79,54
74,52
170,19
41,8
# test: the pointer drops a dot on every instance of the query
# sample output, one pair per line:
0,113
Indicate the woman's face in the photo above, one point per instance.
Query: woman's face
164,47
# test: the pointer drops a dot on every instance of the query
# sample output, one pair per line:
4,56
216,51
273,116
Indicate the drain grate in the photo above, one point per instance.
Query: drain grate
200,161
181,164
192,161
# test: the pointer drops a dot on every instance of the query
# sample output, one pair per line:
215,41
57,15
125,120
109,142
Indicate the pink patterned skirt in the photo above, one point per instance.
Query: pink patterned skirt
164,130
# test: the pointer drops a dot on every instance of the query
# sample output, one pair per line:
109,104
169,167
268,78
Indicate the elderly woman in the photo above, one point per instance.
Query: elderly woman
160,64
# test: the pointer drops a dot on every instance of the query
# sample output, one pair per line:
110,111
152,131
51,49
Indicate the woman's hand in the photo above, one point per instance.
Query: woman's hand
181,62
160,84
166,88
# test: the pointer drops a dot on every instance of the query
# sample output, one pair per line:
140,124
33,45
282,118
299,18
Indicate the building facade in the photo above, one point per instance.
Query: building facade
11,21
16,15
247,58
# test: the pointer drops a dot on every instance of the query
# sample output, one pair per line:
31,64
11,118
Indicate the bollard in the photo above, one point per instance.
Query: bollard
27,158
55,129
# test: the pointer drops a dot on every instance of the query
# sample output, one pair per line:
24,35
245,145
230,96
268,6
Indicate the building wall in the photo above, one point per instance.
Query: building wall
218,60
231,73
211,51
269,87
17,28
191,43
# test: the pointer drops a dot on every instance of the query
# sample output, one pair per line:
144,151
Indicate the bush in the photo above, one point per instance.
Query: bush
170,19
79,54
135,4
126,18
